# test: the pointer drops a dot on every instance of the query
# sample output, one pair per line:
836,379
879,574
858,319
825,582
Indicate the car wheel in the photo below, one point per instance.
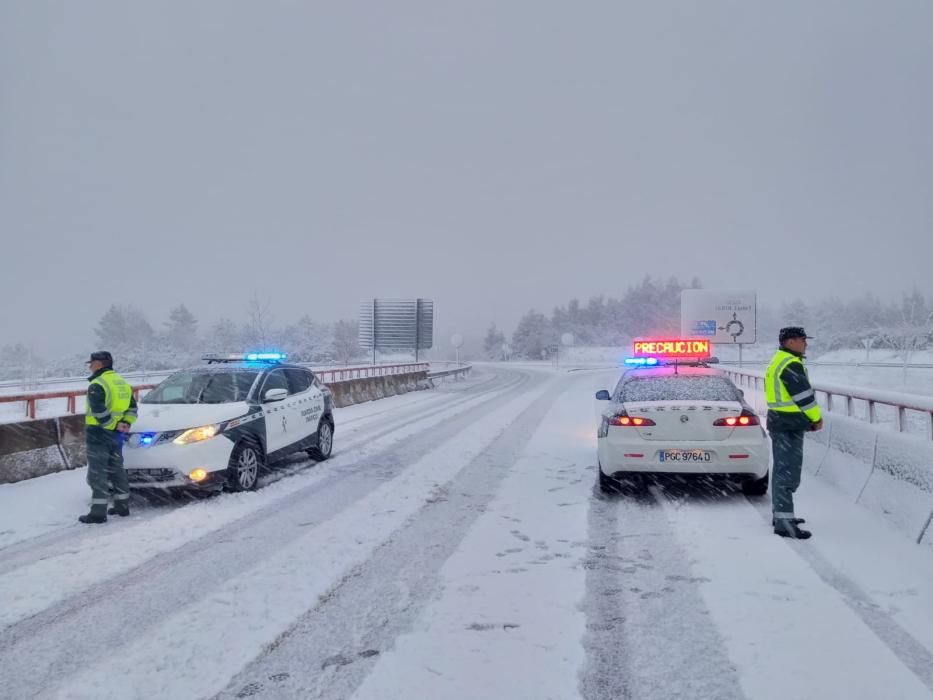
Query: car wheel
325,442
245,464
756,487
608,484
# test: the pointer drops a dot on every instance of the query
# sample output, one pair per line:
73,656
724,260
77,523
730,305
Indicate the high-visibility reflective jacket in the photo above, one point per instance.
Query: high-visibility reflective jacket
791,400
110,400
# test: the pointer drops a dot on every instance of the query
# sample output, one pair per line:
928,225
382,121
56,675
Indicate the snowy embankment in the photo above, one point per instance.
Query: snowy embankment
885,471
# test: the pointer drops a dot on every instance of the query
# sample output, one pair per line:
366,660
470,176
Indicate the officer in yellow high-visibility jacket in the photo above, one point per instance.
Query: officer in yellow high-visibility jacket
792,411
111,410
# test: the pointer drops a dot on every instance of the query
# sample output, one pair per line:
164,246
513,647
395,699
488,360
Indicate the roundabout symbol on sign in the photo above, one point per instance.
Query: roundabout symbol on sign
735,327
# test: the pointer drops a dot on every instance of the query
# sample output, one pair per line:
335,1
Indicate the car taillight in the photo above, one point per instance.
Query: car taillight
630,421
746,418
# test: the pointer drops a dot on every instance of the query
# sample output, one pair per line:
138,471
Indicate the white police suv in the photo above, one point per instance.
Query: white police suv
218,425
682,419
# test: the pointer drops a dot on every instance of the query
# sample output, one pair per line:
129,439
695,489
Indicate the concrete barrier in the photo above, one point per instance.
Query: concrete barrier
38,447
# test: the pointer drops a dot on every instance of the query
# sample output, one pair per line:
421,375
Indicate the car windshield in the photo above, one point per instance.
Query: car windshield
203,387
679,388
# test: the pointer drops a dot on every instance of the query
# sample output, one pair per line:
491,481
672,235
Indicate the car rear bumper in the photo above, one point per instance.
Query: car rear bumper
749,457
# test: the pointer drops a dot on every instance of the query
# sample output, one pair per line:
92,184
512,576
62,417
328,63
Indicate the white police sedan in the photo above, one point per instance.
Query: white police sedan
218,425
680,419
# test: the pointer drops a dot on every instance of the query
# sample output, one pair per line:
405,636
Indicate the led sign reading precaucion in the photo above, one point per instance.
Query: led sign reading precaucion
672,348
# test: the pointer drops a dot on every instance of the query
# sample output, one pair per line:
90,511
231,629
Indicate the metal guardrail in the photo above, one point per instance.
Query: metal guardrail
344,374
33,398
328,376
464,370
856,364
901,403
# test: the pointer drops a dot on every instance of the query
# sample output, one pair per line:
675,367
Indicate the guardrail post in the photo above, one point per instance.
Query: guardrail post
829,446
874,461
850,406
31,408
930,425
71,405
872,413
901,419
926,526
61,448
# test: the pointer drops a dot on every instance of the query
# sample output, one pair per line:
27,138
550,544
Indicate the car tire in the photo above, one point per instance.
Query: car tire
246,463
325,441
608,484
756,487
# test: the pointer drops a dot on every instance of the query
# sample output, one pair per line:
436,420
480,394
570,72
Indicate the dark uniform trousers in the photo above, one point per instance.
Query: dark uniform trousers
787,448
105,472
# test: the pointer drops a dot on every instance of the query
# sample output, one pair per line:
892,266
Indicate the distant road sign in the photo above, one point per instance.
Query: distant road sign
721,316
397,324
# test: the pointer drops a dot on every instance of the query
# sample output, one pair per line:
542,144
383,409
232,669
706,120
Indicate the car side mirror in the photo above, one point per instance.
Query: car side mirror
602,395
712,361
274,395
741,393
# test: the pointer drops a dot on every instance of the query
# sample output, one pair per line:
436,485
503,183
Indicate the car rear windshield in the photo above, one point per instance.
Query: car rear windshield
203,387
679,388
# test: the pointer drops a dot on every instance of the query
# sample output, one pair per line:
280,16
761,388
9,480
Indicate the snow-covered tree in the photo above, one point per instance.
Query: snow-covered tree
308,341
910,327
346,341
493,343
258,332
533,337
181,329
224,336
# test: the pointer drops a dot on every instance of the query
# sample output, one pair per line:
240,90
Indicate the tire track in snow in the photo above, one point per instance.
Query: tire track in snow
649,633
48,545
250,610
69,635
902,643
330,650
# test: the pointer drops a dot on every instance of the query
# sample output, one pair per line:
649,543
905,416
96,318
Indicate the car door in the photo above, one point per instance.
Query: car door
308,403
277,413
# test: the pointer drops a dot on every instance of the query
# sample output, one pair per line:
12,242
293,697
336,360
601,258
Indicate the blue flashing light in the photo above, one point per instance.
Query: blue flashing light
641,361
245,357
146,438
265,356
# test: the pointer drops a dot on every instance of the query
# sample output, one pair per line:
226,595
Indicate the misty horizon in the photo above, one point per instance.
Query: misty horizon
495,159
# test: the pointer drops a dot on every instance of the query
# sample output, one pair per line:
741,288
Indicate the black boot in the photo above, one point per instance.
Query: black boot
122,512
788,528
92,519
795,521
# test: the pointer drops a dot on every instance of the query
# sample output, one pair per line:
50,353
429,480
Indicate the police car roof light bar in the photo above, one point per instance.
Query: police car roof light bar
245,357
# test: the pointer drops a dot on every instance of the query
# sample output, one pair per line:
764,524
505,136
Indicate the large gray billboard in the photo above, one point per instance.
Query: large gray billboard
397,324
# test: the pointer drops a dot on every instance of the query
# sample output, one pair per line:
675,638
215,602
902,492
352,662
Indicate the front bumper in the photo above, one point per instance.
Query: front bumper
167,465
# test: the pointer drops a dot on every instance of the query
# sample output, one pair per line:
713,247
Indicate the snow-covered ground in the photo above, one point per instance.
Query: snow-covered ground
454,547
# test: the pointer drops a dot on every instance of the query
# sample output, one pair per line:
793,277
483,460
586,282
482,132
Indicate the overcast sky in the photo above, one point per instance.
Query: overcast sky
494,156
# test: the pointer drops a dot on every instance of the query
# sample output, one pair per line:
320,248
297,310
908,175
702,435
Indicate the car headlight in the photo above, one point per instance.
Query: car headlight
205,432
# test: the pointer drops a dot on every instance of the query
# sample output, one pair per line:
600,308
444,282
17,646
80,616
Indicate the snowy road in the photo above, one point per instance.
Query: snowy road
455,547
